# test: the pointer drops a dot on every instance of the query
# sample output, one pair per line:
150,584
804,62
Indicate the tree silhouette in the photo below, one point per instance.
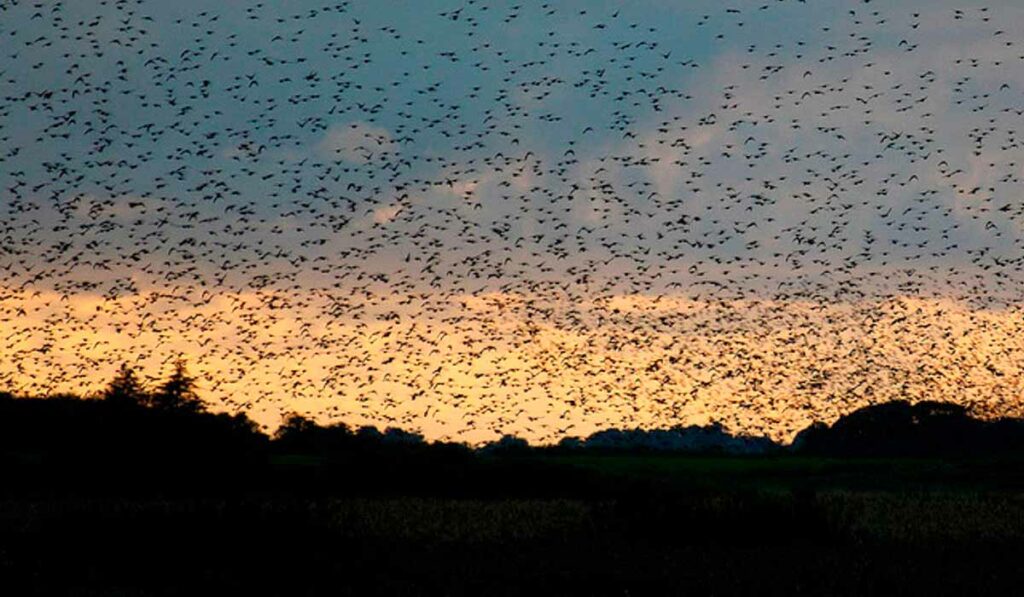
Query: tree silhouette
125,388
178,393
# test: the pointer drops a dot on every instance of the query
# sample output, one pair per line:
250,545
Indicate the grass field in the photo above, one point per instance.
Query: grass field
787,471
656,525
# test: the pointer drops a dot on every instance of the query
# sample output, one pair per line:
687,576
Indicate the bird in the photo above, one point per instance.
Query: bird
631,222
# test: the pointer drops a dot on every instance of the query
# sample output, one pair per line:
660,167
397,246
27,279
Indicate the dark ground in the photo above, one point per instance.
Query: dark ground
640,525
100,499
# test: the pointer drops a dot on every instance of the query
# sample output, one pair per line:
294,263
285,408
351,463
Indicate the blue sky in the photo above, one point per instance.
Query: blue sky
455,84
829,152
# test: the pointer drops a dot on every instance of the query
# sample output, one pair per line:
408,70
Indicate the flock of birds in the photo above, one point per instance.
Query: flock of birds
474,218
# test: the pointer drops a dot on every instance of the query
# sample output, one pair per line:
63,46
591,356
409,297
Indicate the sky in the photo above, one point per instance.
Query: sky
477,218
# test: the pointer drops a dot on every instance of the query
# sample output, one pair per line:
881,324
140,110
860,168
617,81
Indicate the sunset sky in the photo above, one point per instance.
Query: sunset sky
477,218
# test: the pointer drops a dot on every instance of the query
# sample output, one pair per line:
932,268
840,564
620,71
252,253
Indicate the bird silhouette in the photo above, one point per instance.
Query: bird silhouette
483,219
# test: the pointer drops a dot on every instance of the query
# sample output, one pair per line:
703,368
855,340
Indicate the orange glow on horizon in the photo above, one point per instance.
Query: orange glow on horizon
756,366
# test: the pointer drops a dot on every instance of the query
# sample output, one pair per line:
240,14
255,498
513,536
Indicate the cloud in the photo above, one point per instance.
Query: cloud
383,215
354,142
588,181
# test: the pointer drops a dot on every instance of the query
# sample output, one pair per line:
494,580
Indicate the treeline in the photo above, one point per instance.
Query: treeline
922,429
170,422
127,408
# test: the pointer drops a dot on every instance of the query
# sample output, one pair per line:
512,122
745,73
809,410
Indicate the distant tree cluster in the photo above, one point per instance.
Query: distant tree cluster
898,428
297,433
176,393
712,438
902,428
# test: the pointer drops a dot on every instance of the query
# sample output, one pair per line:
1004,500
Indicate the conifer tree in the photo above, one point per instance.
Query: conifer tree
178,392
125,388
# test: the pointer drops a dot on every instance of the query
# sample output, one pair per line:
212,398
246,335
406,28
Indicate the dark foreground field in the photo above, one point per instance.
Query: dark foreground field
109,497
618,525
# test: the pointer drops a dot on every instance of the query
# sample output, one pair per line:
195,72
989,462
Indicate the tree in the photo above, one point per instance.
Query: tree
178,392
508,445
125,388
